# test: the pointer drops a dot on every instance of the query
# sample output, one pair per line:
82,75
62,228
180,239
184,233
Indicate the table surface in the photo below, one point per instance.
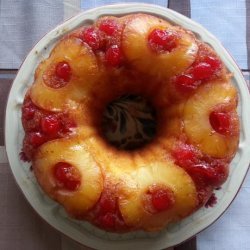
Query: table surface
19,223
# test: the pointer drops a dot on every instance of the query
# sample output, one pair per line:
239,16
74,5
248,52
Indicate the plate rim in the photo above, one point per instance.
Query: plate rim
122,9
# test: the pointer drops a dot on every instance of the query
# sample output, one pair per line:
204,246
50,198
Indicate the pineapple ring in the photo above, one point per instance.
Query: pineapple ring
136,184
170,122
134,172
72,151
84,74
163,65
196,118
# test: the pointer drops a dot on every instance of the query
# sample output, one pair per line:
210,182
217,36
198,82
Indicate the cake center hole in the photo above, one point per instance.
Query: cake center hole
129,122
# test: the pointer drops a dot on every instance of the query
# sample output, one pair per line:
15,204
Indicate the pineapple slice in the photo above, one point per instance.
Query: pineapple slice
133,172
84,74
74,152
170,121
111,159
136,184
196,118
165,64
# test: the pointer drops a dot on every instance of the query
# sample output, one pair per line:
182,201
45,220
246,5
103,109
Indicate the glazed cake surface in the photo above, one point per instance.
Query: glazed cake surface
151,186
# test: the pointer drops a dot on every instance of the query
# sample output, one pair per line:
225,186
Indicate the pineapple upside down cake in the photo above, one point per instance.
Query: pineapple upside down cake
155,184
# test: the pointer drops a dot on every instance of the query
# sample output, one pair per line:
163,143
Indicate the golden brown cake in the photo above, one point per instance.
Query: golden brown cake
151,186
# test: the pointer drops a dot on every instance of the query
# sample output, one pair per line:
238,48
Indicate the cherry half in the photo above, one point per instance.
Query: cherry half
93,38
206,68
220,122
109,26
185,156
28,111
36,139
185,83
190,80
162,198
202,71
209,174
50,125
67,175
63,71
113,56
107,213
215,63
162,40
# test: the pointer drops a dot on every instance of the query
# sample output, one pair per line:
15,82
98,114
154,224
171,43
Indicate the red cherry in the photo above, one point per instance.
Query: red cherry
107,212
36,139
221,174
28,112
113,56
162,40
109,26
67,175
50,125
162,199
107,204
92,37
107,221
203,170
214,174
220,122
185,156
185,83
202,71
213,62
63,71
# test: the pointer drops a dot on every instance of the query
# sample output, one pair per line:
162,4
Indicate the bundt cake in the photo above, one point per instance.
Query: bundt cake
155,184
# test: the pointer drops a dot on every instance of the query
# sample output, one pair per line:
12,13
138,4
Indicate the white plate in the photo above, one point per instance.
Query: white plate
84,232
